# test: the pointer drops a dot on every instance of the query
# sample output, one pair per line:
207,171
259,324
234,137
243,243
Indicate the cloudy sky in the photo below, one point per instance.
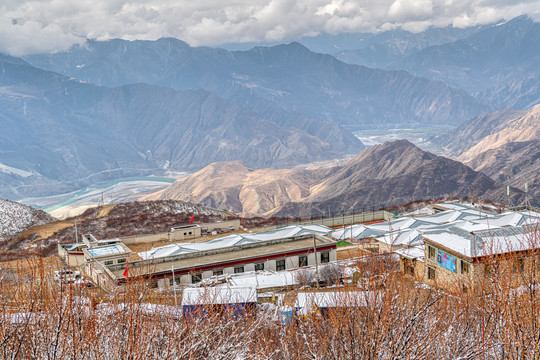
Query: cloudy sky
33,26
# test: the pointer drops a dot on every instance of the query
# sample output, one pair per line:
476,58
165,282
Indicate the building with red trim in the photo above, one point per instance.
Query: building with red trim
189,263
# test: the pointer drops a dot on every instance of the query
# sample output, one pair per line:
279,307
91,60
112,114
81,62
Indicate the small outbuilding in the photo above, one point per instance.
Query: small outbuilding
225,300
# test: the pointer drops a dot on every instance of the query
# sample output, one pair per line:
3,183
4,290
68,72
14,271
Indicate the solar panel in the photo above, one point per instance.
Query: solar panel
106,250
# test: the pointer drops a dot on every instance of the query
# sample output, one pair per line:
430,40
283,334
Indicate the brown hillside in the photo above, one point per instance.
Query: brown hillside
504,145
383,175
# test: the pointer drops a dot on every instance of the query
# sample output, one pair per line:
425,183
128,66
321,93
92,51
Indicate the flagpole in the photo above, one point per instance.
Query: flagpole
174,286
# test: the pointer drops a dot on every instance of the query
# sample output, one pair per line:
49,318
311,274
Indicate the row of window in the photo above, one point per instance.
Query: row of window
518,265
280,266
489,269
111,262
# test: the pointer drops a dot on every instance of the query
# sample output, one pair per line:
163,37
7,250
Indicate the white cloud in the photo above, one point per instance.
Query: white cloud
31,26
410,10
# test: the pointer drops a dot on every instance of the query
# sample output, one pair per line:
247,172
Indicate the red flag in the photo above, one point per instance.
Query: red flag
192,218
126,270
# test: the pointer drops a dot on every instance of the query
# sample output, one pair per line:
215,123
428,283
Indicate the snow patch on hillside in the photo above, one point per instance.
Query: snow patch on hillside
14,171
14,217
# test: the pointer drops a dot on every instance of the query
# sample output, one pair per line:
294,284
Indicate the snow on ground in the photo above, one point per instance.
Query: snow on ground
14,171
14,217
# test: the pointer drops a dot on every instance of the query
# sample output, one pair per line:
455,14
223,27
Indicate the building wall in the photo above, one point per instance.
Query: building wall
72,259
137,239
291,262
182,234
371,245
418,268
445,278
512,269
225,225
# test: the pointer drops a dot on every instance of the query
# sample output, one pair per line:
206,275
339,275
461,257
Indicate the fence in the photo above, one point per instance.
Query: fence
336,219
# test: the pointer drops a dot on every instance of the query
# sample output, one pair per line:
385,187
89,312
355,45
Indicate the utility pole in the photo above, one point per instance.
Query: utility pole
316,261
174,286
76,233
526,196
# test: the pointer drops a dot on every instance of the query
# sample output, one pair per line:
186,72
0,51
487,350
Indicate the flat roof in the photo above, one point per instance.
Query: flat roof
412,253
264,279
106,250
218,295
332,299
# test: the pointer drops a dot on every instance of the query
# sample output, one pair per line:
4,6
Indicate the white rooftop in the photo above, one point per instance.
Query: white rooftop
415,252
264,279
487,242
310,301
451,228
233,240
219,295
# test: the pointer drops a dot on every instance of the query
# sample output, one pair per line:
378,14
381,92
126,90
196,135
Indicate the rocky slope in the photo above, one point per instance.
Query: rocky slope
515,163
16,217
132,218
504,145
383,175
234,187
60,134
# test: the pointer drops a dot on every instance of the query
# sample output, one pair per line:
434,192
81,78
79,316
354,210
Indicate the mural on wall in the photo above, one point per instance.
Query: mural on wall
446,261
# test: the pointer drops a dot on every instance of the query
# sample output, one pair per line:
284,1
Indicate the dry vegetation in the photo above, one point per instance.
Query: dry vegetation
497,319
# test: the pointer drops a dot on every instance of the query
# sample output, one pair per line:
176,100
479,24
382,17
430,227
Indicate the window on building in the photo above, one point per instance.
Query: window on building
176,279
108,262
239,269
464,267
325,257
259,267
409,267
196,278
153,283
431,274
121,261
218,272
190,233
432,254
302,261
280,265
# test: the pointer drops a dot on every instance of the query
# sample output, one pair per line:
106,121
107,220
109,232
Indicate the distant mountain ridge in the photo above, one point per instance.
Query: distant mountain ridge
496,62
281,81
68,134
386,48
504,145
382,175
